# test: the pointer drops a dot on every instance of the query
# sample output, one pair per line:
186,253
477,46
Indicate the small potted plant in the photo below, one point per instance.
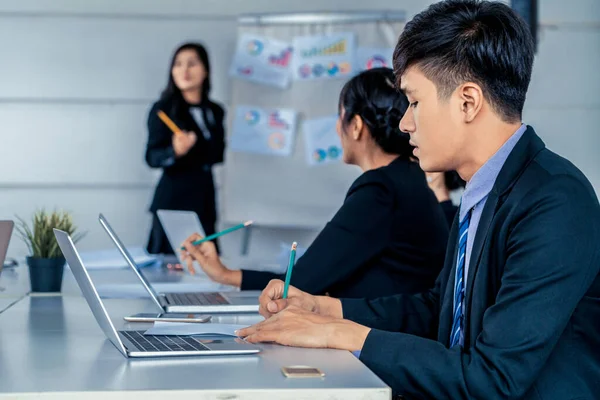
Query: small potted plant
46,262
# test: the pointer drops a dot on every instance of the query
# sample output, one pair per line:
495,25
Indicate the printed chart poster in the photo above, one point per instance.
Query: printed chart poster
263,131
322,142
323,57
262,60
373,57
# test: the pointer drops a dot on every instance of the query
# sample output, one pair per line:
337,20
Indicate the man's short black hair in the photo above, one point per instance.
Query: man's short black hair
457,41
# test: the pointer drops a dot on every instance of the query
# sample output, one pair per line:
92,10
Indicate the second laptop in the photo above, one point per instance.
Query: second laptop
200,302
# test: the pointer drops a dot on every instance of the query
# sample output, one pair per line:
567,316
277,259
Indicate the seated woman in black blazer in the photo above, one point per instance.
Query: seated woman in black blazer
390,234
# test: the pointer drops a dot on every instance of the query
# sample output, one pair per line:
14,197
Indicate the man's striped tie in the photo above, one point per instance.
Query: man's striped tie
459,287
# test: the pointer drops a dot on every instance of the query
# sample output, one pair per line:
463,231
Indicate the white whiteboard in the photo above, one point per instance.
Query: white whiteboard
91,144
286,191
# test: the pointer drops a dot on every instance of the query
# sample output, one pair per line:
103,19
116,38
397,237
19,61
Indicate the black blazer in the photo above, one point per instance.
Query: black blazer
388,237
532,325
187,182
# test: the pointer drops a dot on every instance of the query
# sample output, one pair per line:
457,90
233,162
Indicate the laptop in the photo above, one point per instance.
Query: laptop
135,343
6,228
201,302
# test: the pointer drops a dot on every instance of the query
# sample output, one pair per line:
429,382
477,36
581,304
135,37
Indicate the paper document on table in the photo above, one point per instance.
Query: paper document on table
187,328
112,259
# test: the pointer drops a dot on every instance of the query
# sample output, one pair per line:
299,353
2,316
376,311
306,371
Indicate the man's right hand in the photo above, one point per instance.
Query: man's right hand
271,301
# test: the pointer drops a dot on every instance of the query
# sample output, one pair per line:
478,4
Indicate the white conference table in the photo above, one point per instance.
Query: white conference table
52,348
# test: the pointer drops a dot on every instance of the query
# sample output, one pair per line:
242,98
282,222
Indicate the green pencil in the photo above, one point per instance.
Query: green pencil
223,232
288,275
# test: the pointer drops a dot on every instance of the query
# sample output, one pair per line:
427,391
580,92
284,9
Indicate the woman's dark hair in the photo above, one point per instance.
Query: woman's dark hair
453,181
373,97
172,92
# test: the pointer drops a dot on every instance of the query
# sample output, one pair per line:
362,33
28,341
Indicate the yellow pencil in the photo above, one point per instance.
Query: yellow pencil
168,121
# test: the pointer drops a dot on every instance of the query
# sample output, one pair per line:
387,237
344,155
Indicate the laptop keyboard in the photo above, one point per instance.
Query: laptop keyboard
163,342
195,299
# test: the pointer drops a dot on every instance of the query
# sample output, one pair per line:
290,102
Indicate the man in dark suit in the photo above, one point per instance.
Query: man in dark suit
515,313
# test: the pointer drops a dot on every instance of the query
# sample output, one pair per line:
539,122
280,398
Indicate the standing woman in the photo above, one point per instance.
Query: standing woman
186,157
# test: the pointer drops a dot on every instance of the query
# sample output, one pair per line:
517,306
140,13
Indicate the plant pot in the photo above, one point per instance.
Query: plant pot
45,274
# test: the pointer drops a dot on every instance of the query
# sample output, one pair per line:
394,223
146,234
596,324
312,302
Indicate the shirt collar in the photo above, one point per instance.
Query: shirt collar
483,180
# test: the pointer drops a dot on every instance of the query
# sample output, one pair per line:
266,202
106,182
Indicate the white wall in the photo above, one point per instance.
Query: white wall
76,79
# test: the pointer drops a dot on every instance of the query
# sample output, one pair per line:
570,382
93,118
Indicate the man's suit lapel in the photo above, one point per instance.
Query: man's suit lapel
520,157
487,215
